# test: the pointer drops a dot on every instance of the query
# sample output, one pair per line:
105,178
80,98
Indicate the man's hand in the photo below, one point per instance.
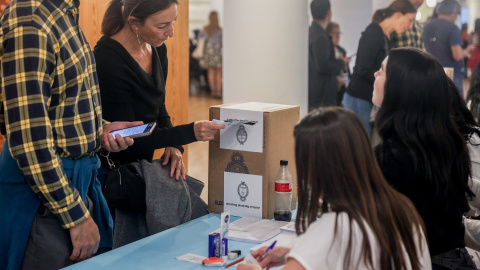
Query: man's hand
205,130
120,143
85,238
341,81
176,165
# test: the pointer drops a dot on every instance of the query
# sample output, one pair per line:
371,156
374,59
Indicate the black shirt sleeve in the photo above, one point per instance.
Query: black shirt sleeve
121,87
371,50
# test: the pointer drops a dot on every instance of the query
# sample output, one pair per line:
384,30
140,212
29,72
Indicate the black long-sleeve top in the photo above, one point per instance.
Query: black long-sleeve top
373,47
128,93
445,230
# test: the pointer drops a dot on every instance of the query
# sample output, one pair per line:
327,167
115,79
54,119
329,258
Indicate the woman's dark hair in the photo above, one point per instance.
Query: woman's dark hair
402,6
119,10
335,163
473,96
418,116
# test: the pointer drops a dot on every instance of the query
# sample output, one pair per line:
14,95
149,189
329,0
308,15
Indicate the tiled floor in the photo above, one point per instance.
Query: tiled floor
198,151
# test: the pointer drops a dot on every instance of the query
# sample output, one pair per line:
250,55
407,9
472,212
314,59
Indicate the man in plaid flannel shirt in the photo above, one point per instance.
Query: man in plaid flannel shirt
410,38
51,118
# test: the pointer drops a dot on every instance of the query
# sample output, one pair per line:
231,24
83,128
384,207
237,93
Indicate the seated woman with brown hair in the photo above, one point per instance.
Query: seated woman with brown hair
348,215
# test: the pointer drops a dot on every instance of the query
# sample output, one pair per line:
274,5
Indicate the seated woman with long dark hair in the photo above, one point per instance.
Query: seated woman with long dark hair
348,215
423,153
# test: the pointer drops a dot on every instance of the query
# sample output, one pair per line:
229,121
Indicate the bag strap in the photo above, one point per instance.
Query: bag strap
109,160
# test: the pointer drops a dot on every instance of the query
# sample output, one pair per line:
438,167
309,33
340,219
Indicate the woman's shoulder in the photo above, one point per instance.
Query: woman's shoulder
339,221
373,30
108,47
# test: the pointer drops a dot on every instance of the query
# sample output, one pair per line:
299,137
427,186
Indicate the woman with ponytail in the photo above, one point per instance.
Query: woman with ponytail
373,47
132,69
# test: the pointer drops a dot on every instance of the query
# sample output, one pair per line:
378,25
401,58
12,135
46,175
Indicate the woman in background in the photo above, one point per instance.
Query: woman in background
348,215
212,56
373,47
423,153
333,30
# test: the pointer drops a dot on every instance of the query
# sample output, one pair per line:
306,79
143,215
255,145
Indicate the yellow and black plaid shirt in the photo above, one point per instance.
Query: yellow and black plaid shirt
50,98
409,38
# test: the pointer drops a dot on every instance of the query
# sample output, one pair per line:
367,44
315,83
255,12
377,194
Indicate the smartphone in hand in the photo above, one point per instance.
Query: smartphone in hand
136,131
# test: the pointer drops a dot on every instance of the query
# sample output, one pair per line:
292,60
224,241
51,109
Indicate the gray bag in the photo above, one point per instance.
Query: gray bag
169,203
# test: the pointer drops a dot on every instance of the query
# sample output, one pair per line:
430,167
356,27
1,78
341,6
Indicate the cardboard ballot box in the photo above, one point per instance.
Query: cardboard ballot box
244,158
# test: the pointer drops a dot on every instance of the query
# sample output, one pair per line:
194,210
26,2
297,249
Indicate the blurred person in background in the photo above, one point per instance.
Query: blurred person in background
212,54
474,58
443,40
333,30
323,66
373,47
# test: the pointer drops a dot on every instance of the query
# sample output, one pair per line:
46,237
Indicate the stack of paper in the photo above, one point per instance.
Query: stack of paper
254,230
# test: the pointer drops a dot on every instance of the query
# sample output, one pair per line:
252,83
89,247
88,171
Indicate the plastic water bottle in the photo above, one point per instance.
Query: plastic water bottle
283,193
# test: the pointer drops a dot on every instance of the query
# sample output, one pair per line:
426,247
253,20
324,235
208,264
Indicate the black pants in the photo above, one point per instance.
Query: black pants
456,259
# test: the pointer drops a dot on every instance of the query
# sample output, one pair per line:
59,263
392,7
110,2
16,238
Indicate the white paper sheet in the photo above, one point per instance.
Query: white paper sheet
238,136
190,257
254,230
284,239
243,194
258,106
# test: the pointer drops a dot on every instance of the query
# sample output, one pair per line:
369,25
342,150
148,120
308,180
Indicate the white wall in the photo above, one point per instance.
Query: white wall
474,8
353,17
265,55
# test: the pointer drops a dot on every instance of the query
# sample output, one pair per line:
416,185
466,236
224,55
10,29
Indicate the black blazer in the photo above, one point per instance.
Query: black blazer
323,68
128,93
373,47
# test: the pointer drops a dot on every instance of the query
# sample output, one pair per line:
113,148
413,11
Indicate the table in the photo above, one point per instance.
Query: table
160,250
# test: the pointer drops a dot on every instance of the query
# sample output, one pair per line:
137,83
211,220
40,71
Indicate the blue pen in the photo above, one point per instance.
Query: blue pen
269,248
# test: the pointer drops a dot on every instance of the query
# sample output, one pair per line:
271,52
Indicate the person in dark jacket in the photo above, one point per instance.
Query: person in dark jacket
323,67
373,47
132,70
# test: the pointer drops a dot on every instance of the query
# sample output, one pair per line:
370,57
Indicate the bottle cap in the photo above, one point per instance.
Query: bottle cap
283,162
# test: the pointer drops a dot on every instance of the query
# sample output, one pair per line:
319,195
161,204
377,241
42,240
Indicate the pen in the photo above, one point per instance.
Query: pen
234,262
269,248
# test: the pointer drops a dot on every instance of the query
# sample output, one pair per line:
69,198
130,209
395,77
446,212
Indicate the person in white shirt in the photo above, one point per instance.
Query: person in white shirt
348,216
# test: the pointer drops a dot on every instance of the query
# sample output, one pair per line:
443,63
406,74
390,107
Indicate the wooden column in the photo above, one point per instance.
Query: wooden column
91,15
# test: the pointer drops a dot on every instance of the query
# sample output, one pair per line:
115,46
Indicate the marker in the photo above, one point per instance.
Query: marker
269,248
234,262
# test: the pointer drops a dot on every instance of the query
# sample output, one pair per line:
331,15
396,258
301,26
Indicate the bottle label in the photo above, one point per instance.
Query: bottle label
283,187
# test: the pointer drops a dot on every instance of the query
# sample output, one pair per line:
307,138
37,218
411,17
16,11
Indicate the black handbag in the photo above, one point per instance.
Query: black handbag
125,189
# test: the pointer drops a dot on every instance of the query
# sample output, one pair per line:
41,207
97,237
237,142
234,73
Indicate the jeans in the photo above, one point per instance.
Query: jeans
102,178
362,108
458,80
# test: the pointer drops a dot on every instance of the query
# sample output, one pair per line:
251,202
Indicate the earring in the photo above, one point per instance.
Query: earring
136,32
